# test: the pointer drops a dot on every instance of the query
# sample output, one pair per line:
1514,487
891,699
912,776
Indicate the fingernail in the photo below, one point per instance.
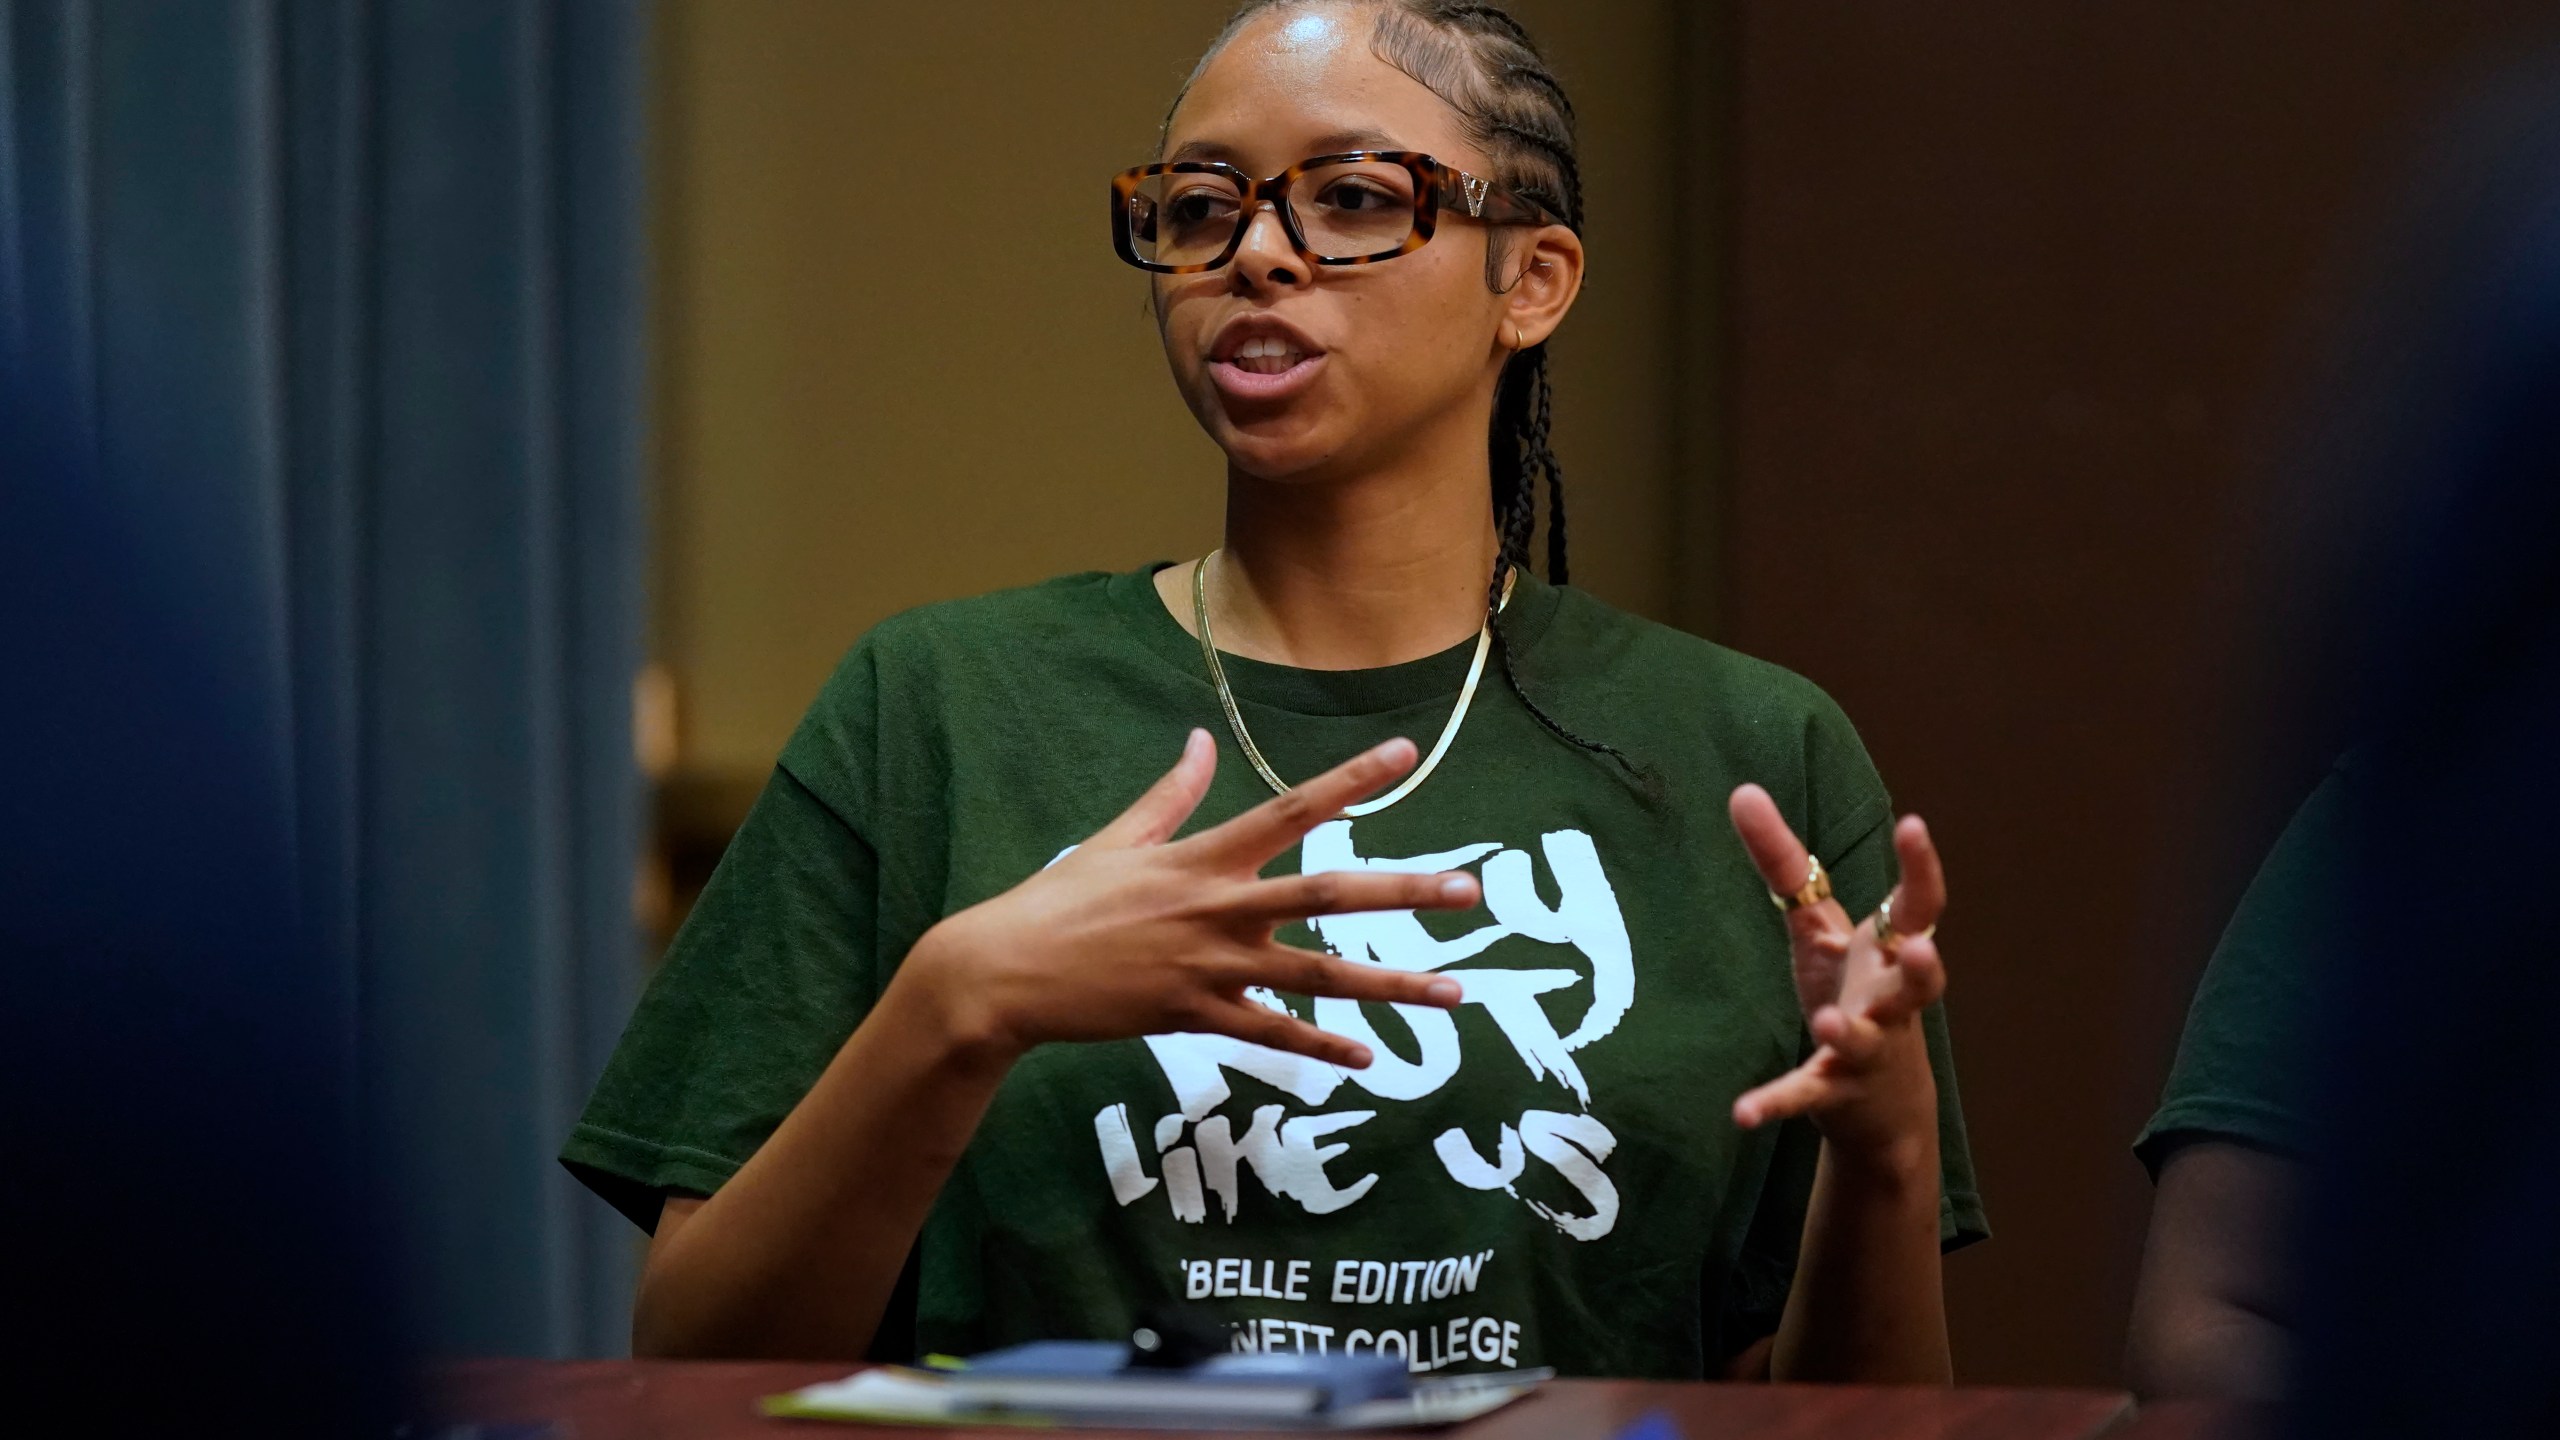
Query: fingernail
1442,992
1360,1057
1455,887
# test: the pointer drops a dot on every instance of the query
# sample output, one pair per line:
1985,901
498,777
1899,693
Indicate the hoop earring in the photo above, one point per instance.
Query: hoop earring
1519,341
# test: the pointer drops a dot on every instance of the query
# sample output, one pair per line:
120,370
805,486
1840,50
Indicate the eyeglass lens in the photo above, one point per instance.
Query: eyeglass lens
1343,212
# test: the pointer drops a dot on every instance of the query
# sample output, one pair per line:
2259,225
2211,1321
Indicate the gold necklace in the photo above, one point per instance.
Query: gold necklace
1253,752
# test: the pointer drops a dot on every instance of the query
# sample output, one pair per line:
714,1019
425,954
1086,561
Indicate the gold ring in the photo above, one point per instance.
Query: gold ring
1519,339
1886,936
1816,889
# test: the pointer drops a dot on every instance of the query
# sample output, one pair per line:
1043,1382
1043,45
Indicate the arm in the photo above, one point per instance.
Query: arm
1867,1303
2208,1312
798,1253
1131,934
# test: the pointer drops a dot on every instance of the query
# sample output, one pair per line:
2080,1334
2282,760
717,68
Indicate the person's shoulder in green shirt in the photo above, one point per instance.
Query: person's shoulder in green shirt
2239,1069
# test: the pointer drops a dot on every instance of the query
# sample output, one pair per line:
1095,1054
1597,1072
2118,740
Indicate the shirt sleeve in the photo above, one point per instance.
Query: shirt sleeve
782,957
771,972
2237,1069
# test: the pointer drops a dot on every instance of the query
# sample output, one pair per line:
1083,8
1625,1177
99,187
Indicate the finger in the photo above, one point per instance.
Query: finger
1922,896
1263,1025
1168,802
1920,979
1795,1093
1349,892
1817,932
1775,852
1252,838
1304,972
1855,1039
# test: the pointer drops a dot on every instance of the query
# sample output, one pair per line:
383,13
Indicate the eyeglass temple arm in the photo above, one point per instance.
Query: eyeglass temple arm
1520,208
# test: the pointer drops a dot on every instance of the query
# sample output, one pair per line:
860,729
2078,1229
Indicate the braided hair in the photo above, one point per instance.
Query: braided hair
1482,61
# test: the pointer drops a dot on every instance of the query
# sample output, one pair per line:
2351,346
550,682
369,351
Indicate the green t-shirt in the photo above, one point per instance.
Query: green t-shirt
2239,1071
1548,1175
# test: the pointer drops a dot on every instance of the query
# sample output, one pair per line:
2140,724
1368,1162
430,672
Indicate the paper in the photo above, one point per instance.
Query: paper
892,1395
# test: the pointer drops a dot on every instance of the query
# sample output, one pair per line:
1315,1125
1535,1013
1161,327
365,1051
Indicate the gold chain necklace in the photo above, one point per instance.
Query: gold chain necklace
1253,752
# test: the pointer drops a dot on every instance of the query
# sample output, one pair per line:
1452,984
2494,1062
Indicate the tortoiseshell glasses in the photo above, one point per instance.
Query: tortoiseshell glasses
1355,208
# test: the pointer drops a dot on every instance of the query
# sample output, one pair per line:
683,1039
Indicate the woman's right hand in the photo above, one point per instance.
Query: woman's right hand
1132,934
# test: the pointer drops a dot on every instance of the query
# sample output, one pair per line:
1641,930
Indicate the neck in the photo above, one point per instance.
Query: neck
1352,573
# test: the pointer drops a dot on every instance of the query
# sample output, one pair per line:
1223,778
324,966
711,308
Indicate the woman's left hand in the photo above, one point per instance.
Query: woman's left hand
1868,1085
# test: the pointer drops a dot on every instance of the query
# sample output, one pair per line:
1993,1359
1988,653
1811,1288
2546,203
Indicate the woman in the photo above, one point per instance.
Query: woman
1566,1090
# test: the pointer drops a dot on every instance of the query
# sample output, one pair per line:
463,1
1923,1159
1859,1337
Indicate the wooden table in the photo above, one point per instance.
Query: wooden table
669,1400
2200,1420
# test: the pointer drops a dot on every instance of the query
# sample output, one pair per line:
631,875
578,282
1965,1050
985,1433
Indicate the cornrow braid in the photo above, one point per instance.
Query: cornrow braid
1479,58
1539,425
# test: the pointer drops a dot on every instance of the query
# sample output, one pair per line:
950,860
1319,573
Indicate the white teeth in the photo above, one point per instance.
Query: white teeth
1266,355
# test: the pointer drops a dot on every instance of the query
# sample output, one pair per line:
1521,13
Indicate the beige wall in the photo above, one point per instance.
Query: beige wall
898,362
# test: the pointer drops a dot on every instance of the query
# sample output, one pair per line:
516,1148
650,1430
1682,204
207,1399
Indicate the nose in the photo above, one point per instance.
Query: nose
1265,258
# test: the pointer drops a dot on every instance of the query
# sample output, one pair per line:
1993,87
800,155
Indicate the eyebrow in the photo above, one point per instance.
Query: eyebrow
1329,144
